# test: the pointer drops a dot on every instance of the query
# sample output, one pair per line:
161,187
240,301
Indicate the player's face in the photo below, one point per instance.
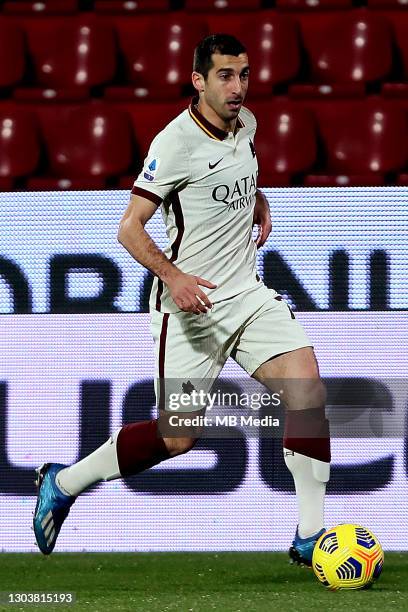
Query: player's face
227,85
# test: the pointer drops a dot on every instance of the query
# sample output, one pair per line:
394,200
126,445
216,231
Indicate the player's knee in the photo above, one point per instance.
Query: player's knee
317,395
309,393
179,446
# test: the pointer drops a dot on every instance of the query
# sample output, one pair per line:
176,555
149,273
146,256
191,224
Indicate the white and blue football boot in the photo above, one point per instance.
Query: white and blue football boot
52,507
301,551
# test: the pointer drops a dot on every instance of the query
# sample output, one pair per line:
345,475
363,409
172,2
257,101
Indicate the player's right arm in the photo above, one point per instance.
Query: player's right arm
184,288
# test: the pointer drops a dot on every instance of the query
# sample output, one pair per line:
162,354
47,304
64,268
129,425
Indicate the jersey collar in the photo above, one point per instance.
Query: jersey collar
211,130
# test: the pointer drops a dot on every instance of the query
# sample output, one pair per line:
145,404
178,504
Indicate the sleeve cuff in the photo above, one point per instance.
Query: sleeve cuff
149,195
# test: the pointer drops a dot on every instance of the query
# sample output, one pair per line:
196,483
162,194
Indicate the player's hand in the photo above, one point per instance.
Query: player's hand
186,293
262,218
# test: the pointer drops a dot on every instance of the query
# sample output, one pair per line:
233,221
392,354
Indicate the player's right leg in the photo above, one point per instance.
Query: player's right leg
52,507
131,450
136,446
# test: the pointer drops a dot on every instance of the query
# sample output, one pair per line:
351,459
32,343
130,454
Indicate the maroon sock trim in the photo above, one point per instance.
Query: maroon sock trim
162,357
307,432
138,447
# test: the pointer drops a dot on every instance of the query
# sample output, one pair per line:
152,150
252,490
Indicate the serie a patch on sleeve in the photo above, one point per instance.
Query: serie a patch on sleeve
151,168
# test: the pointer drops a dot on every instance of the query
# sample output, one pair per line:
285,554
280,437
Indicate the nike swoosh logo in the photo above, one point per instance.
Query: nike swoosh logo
211,166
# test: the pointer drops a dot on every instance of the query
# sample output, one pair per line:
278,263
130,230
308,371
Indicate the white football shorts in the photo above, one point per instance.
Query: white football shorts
251,327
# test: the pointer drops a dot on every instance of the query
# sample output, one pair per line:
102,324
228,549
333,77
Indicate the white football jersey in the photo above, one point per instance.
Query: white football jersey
204,179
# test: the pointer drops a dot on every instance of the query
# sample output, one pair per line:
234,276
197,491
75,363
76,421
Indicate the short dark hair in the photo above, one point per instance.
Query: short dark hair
224,44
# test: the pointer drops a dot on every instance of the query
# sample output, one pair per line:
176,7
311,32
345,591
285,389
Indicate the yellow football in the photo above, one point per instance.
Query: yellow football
347,557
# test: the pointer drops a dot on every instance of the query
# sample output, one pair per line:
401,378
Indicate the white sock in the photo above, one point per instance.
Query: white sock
310,477
102,464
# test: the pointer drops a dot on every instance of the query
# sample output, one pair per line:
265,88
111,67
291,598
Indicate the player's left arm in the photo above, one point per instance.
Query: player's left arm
262,218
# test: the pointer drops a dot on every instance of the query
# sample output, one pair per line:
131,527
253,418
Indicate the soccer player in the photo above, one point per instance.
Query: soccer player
207,302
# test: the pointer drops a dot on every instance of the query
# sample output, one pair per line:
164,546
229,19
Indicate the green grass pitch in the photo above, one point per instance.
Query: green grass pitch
183,582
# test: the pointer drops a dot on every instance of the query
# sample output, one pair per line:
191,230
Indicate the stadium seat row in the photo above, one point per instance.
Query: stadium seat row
66,7
97,145
72,58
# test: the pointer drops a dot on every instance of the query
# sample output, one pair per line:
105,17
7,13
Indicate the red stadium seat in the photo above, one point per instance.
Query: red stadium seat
12,61
222,5
95,141
131,6
387,4
300,5
86,146
400,26
285,141
71,58
49,183
273,48
343,180
159,63
149,118
347,52
402,179
368,138
19,144
41,7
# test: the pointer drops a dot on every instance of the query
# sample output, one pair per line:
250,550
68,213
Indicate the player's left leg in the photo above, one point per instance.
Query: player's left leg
274,348
306,444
